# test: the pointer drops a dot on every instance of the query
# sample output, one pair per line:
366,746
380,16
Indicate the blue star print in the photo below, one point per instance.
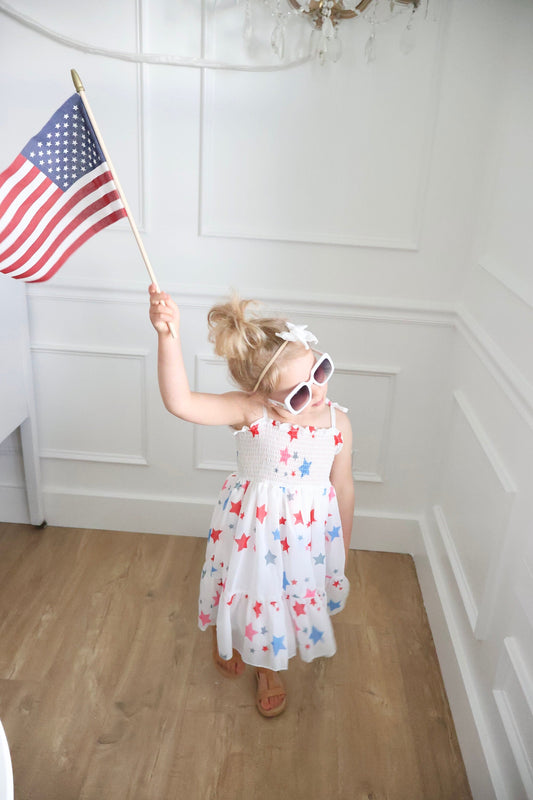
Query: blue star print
270,558
278,644
276,534
334,533
316,635
304,468
333,606
320,558
285,581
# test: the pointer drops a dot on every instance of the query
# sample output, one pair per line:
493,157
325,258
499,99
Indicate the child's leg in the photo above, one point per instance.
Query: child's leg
271,694
232,668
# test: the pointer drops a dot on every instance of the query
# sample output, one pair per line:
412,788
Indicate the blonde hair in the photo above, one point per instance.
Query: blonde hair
248,343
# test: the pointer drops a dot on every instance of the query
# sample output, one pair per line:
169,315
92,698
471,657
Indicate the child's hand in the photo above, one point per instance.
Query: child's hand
163,310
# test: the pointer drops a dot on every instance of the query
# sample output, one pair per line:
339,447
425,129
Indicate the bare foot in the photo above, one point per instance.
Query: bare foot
233,668
271,694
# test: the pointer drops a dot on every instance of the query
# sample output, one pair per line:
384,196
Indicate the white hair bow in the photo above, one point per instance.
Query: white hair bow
298,333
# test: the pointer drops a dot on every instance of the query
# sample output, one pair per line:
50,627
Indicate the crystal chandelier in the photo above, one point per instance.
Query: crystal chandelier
325,16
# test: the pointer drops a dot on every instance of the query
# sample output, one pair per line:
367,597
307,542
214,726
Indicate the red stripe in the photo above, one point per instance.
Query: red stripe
17,189
43,186
16,165
73,224
47,233
28,230
103,223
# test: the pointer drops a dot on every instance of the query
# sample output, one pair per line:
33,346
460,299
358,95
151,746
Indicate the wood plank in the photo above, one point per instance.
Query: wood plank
108,689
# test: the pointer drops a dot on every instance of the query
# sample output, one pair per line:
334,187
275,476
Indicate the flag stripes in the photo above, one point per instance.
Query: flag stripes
41,226
57,193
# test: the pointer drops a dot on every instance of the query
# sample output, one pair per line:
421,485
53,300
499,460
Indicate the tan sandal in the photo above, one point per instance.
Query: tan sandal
219,662
263,694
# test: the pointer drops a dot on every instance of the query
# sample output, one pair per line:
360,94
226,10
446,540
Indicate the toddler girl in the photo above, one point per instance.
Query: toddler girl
274,566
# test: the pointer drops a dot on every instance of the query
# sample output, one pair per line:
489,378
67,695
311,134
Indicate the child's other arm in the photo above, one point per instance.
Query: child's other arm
342,480
206,409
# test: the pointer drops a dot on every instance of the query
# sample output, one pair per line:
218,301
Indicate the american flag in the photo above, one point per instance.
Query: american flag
57,193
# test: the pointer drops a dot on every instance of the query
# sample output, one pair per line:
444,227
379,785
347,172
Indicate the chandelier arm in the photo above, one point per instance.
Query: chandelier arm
315,7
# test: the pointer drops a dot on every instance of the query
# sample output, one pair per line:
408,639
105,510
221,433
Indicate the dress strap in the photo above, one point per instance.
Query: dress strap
332,407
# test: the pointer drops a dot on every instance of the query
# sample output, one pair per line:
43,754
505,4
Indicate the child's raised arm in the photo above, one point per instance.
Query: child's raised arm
231,408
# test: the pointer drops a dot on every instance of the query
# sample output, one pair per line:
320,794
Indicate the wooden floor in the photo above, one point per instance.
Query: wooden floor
108,692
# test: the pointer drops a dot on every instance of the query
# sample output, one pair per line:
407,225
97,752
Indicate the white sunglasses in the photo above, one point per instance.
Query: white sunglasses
300,397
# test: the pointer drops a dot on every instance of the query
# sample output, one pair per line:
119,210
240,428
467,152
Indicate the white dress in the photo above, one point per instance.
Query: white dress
274,566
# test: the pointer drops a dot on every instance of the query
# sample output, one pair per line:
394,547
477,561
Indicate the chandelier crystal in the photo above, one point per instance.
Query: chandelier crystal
324,18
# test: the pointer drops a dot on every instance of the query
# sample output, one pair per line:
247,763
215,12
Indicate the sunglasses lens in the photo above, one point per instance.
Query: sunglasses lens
299,400
323,371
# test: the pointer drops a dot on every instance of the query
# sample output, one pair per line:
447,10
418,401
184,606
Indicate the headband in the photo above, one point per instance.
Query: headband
294,333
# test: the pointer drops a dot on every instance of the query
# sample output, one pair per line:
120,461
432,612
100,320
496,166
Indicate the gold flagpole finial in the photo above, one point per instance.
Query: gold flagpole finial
78,85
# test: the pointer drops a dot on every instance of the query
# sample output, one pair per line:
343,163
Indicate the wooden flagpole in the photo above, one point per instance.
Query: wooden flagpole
78,85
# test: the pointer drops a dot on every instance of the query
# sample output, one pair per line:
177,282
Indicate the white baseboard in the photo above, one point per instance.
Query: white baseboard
451,634
388,532
14,505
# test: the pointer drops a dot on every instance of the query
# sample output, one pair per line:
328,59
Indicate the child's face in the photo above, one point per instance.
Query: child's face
297,370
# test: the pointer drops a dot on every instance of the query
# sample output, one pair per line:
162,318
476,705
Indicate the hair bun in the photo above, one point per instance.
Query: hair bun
246,341
232,331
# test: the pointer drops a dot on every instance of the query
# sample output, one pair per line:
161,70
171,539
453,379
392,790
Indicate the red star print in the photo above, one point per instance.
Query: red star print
261,513
265,648
293,433
313,602
257,608
285,545
242,515
242,542
230,601
216,599
245,486
205,619
299,608
282,520
215,535
254,430
338,438
235,508
336,584
298,519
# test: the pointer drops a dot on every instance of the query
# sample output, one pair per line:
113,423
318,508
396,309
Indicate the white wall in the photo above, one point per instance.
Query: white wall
477,529
373,202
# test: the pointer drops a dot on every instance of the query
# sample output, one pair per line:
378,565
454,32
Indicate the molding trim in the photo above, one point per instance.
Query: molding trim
509,378
479,615
512,664
455,563
339,306
410,241
138,459
185,516
378,309
467,674
524,588
511,283
390,374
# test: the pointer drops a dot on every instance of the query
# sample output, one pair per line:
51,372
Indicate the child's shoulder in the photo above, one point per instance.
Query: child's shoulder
252,410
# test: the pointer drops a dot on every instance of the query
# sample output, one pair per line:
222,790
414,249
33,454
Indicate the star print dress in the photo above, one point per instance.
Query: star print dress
274,567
